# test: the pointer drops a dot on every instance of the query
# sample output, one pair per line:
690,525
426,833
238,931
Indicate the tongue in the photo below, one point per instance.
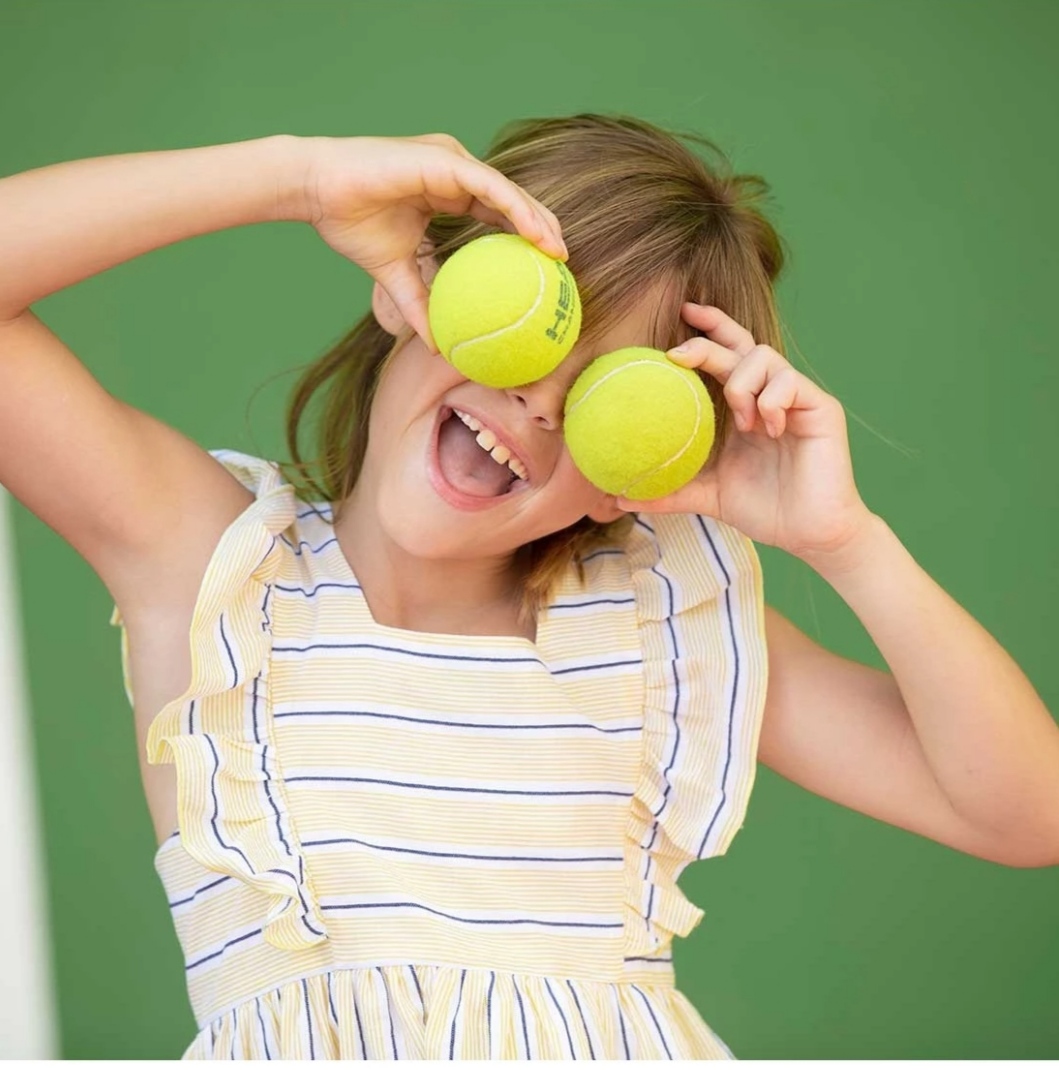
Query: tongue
466,465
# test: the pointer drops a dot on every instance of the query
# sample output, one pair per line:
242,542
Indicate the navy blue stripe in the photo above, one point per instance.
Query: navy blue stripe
677,696
598,666
455,1017
674,652
217,808
522,1012
279,832
516,660
648,958
649,912
264,1034
584,1024
312,593
566,1026
419,991
389,1011
480,921
266,624
489,1012
215,954
452,724
621,1022
360,1027
308,1018
312,549
457,854
253,711
298,885
661,1035
594,602
272,802
716,553
735,691
304,918
331,1002
445,787
313,511
233,847
604,553
191,718
199,891
231,656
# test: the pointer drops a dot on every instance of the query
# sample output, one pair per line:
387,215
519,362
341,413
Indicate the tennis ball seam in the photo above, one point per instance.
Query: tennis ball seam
477,339
683,382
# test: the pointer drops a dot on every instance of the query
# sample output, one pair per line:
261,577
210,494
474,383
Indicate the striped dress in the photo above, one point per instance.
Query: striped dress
408,845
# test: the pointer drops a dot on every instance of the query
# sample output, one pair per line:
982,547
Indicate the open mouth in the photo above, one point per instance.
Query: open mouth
471,469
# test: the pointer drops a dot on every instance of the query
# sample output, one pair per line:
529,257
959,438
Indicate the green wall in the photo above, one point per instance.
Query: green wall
910,147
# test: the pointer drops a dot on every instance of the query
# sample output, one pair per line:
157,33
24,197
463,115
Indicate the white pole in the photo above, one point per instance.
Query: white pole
27,1003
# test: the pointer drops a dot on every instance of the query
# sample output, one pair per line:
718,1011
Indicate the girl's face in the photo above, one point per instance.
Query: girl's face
437,492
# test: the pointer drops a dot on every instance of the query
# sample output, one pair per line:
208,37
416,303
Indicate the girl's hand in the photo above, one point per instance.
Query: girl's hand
371,198
783,475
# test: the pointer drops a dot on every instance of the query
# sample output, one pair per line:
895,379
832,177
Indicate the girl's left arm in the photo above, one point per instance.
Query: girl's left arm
954,743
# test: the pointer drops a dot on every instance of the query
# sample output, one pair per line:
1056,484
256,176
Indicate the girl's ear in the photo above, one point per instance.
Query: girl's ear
606,511
384,310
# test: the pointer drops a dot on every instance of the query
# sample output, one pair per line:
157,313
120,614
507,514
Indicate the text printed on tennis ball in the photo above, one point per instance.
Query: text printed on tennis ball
557,331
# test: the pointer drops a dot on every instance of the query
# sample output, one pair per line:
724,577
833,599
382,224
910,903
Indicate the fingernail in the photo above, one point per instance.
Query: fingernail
681,350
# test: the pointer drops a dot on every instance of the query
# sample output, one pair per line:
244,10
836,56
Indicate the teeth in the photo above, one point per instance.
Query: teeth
487,440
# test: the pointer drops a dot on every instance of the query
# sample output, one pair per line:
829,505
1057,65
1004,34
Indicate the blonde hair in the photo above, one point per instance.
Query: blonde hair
641,214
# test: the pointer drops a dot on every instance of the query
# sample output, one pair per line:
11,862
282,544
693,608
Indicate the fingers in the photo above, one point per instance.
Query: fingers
491,216
404,283
756,378
699,496
494,191
719,326
710,356
779,395
499,201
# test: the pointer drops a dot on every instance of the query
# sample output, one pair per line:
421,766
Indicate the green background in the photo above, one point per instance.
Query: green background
909,147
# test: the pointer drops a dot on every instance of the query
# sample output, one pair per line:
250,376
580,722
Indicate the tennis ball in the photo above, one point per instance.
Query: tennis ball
502,312
637,424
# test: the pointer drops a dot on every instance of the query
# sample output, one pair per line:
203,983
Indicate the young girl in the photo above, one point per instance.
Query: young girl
431,735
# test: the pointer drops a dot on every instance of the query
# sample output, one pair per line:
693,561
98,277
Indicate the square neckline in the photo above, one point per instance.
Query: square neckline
325,511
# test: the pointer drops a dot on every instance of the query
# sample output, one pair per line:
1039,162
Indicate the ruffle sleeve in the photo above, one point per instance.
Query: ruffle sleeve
231,800
700,608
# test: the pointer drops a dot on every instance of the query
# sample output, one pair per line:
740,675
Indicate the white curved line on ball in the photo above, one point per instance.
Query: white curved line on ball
683,382
511,326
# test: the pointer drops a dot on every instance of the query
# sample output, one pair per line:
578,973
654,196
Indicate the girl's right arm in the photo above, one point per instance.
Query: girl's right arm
143,504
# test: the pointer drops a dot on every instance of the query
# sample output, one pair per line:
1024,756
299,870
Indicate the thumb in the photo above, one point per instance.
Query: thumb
700,497
402,280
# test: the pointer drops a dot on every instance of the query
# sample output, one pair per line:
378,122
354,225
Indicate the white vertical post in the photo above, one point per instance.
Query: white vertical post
27,1004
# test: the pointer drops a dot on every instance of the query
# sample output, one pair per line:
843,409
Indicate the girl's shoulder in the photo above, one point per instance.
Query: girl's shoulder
259,475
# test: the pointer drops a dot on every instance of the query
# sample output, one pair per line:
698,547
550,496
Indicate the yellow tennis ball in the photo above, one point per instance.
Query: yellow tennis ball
637,424
504,313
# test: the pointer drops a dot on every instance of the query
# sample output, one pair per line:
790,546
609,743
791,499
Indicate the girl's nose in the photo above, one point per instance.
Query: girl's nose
542,401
